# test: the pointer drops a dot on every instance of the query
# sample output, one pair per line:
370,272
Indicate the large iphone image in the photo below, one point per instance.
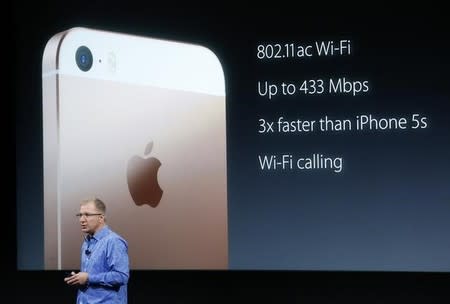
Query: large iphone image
141,124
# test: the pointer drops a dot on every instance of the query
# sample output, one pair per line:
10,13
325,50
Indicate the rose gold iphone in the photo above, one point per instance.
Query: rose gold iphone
141,124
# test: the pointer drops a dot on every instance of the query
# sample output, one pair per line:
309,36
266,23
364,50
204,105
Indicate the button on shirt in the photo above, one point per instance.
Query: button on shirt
104,257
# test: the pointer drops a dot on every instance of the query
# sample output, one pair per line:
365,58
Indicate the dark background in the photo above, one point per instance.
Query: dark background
407,43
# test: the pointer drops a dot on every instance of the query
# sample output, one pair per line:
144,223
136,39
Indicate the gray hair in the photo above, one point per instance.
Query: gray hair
99,204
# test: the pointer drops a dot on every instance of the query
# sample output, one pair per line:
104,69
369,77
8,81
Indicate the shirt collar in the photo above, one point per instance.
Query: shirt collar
99,234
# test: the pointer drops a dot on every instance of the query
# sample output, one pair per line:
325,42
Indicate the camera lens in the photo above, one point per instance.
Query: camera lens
83,58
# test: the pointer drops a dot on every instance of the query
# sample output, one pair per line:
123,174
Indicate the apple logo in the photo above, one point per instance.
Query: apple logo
142,178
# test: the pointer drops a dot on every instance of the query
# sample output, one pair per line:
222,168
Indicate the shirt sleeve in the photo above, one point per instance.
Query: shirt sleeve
116,265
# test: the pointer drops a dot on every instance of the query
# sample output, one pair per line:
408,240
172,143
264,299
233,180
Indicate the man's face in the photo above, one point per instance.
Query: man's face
91,219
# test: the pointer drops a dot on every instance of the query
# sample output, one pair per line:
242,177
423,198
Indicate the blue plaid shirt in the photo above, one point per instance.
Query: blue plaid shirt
105,258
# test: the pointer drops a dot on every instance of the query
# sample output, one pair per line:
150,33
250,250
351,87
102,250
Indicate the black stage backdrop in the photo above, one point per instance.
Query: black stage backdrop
373,228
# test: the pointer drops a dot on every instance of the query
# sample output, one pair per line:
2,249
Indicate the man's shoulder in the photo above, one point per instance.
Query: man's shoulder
112,235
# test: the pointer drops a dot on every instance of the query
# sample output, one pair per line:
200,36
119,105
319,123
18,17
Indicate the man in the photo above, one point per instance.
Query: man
104,273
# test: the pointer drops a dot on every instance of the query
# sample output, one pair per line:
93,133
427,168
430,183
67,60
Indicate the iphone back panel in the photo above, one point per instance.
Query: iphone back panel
141,124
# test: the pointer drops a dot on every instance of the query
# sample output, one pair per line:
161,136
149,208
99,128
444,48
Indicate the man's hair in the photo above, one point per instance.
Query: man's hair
99,204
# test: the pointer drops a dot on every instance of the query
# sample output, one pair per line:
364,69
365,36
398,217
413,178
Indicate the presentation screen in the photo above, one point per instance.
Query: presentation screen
245,143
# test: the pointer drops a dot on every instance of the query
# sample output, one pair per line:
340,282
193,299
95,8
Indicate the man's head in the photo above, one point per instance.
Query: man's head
92,215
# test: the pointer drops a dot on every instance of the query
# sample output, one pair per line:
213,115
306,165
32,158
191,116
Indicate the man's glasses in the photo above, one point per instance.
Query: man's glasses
80,215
